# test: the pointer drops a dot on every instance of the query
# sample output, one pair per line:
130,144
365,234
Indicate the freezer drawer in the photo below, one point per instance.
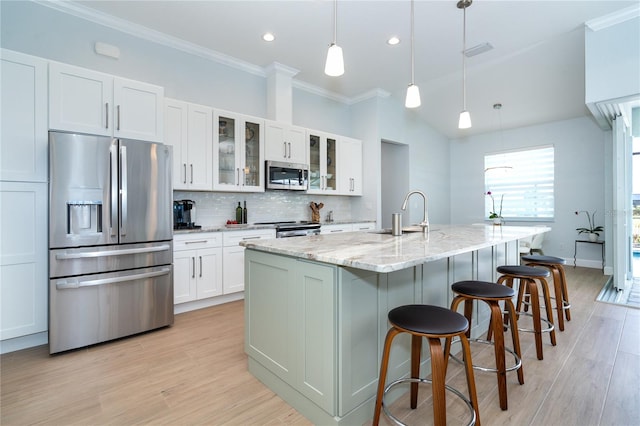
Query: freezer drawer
91,309
93,260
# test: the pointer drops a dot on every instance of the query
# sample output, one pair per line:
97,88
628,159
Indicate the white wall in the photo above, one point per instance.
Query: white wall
580,149
612,61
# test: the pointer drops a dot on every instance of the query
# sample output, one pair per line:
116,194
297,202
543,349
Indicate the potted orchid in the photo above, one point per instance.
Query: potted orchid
493,214
592,230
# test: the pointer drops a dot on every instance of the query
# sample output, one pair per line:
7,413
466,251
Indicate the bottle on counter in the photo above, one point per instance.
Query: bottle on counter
239,213
244,212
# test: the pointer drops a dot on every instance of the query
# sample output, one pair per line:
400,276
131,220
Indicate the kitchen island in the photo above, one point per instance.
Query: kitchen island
316,307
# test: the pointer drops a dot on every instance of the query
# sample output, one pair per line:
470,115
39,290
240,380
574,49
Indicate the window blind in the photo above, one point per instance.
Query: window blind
524,180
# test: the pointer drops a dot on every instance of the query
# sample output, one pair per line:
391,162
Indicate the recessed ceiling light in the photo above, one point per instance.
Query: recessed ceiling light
268,37
393,41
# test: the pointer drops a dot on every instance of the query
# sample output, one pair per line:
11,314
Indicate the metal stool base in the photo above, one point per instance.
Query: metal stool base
516,359
549,329
455,391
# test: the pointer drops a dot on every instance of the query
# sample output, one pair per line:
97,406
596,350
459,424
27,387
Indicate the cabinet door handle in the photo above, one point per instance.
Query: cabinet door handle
118,117
106,111
238,176
193,267
200,266
191,166
289,150
196,242
184,166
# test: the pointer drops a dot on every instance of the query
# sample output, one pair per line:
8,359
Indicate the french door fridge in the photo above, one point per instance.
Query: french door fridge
110,239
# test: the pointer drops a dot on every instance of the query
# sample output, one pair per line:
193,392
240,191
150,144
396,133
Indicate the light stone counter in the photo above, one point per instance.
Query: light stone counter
316,307
378,252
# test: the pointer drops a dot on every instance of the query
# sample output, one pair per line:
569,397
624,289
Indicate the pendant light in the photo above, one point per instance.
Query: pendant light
503,167
413,92
334,66
465,118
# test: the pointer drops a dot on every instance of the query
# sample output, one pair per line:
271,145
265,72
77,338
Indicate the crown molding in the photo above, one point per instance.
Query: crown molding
277,67
148,34
614,18
373,93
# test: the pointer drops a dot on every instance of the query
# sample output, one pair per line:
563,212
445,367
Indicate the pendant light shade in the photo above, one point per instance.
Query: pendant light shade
413,92
334,66
465,118
413,97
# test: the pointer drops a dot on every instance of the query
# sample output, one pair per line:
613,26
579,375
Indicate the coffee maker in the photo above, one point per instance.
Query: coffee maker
184,214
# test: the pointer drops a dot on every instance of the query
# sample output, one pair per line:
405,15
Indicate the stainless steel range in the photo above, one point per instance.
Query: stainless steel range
294,229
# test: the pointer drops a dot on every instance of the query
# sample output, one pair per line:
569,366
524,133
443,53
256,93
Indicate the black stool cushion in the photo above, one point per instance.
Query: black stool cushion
528,271
428,319
544,259
483,289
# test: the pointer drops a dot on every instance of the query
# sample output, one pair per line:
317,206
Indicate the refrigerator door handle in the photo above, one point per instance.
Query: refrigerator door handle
113,188
123,191
70,283
106,253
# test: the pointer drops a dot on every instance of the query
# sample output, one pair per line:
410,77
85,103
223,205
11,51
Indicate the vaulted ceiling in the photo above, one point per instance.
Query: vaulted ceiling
535,69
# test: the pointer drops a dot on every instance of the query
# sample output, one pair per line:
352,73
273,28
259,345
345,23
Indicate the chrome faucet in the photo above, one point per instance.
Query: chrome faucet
425,219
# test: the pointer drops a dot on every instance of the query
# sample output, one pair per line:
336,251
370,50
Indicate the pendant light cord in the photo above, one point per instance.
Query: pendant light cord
464,58
335,21
412,48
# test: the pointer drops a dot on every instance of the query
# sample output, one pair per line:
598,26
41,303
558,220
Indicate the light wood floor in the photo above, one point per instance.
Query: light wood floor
195,373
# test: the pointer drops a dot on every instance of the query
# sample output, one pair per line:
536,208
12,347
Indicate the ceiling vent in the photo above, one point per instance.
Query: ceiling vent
478,49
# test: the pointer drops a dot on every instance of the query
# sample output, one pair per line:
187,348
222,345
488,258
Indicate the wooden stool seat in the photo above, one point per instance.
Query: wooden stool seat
432,323
528,277
561,292
492,294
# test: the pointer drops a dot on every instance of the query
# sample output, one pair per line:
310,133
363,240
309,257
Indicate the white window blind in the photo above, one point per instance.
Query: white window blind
525,179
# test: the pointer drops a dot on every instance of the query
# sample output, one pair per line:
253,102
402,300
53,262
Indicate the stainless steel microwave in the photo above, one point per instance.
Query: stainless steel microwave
289,176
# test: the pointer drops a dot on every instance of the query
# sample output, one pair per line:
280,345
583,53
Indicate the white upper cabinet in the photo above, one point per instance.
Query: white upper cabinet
86,101
238,152
23,133
349,166
284,142
322,161
189,129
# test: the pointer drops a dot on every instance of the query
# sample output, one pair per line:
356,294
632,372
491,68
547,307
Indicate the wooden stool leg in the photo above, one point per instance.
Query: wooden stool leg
498,345
447,343
547,304
565,293
511,310
384,364
437,382
416,348
559,294
471,382
535,307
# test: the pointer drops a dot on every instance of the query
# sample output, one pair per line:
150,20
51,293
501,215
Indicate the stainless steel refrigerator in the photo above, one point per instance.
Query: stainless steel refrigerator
110,239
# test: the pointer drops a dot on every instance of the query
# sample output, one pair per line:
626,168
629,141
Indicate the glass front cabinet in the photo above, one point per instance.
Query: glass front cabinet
322,148
238,153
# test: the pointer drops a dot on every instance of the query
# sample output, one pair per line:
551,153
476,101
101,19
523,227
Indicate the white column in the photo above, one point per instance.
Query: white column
280,92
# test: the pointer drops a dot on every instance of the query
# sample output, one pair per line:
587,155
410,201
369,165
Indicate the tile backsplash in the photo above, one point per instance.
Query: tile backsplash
215,208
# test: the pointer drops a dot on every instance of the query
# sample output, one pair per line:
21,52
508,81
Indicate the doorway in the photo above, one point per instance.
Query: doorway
395,179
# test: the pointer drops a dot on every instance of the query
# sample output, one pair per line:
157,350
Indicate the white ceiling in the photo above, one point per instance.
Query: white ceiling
536,69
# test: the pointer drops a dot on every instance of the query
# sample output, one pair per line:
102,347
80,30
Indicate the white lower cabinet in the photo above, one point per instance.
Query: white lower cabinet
23,259
364,226
336,228
197,262
233,254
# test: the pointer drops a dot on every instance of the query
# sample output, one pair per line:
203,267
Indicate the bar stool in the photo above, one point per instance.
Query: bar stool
491,294
528,276
561,293
433,323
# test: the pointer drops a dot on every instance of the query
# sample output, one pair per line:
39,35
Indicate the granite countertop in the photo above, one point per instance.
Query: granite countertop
378,252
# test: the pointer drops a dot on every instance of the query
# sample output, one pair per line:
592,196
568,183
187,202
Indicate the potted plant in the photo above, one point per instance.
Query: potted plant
592,230
496,216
